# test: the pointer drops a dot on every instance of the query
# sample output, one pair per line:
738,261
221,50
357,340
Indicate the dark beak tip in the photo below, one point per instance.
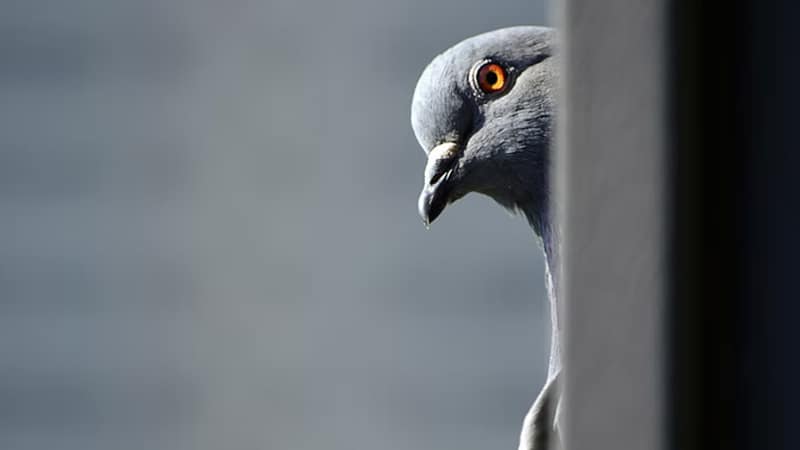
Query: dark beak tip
430,205
422,208
436,187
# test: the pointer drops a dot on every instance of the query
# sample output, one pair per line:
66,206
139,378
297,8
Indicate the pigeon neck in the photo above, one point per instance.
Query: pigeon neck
540,220
547,232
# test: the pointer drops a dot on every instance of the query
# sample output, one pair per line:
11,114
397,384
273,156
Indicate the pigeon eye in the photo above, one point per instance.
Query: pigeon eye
492,78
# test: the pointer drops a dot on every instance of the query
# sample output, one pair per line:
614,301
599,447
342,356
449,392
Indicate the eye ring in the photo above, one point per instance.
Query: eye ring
491,78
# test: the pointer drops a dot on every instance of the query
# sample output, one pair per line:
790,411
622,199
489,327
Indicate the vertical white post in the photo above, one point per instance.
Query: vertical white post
613,210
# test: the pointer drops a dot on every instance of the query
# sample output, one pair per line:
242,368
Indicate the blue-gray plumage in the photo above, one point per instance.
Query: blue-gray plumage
482,111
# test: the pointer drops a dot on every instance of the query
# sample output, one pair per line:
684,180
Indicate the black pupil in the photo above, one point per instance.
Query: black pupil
491,77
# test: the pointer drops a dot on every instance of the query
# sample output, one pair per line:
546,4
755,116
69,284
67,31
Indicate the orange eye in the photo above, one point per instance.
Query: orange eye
491,78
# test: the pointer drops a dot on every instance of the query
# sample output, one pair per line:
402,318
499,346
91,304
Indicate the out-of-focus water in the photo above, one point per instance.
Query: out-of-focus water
209,235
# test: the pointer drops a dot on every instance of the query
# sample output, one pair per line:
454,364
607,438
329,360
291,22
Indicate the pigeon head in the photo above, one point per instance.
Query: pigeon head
482,113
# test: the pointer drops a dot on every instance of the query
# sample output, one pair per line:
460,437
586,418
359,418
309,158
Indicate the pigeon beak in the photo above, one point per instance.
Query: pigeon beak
435,190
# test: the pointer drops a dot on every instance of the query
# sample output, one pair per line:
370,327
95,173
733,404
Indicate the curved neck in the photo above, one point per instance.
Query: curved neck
541,222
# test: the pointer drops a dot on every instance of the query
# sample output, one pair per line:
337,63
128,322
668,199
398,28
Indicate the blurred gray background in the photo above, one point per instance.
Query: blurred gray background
209,236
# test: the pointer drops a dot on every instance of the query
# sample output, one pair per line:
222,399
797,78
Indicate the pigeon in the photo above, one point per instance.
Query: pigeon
483,113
